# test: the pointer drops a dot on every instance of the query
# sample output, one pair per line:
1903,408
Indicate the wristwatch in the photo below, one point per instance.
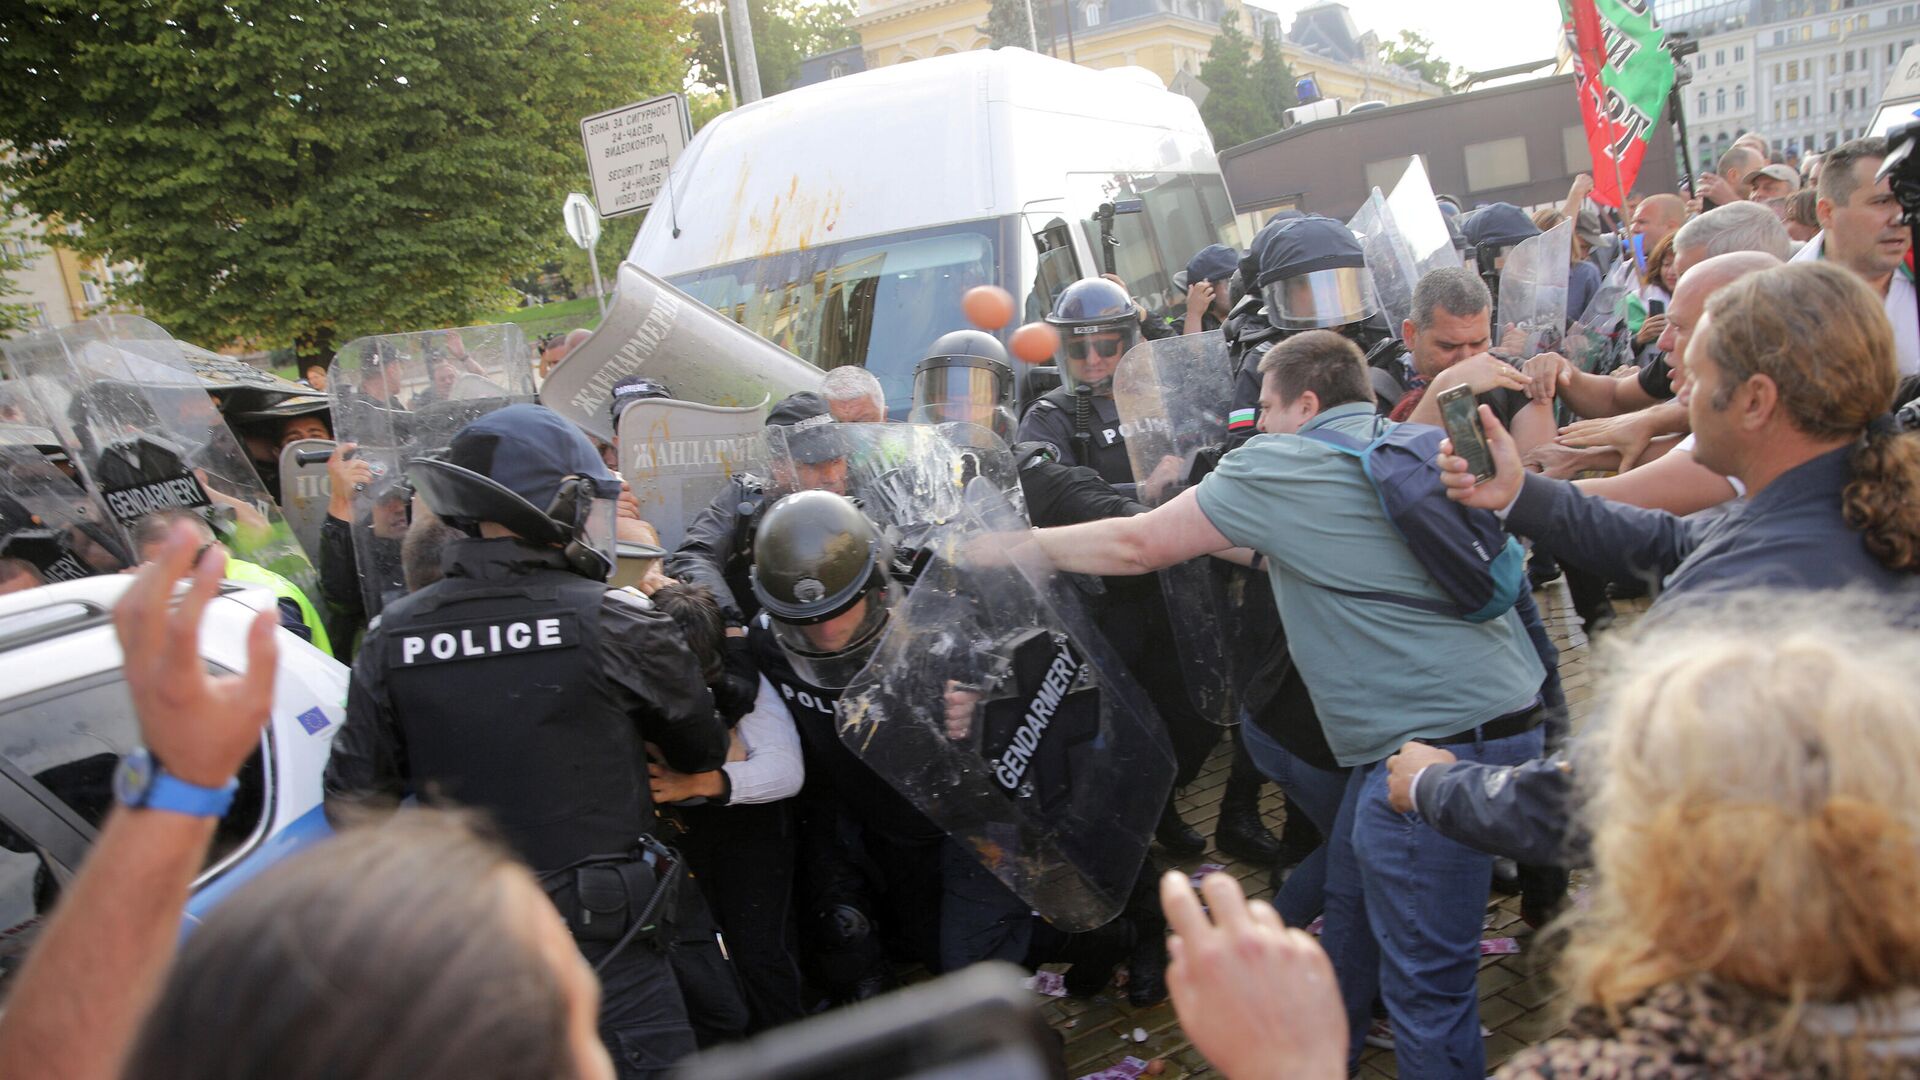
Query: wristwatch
141,782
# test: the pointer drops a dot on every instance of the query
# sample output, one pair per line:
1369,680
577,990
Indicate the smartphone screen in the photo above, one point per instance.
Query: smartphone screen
1461,415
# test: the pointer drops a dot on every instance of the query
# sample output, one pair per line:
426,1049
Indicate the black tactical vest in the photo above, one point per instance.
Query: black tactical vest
497,684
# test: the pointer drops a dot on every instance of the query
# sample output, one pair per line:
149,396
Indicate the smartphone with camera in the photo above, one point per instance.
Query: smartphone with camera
1461,415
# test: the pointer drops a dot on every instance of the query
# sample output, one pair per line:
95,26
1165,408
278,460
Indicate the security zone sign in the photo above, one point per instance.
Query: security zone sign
631,149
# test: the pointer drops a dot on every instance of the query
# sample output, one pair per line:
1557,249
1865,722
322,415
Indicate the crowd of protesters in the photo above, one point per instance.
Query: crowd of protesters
1714,424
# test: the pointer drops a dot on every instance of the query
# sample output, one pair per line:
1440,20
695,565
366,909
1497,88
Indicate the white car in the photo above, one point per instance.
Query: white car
66,717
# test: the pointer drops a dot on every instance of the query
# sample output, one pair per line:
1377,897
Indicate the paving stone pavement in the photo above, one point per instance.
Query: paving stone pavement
1518,999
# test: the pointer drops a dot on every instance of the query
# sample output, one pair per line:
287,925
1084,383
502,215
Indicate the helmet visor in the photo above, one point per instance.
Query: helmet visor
831,652
1090,352
959,392
1320,300
597,530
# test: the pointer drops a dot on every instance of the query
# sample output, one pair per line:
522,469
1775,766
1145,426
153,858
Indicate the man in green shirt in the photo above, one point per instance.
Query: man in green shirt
1404,904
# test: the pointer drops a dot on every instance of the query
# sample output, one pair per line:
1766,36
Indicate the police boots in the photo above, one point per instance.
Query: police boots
1176,836
1240,832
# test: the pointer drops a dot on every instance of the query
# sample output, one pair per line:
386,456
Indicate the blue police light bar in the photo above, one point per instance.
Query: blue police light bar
1307,90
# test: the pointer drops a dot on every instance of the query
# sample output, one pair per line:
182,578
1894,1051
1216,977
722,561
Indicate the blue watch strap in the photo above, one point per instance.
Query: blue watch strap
173,794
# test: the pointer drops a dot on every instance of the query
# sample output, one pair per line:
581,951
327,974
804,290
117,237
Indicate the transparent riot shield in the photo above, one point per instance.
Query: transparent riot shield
398,397
1533,293
1390,260
678,455
305,488
654,329
1173,396
143,433
1418,216
909,478
48,520
1597,340
994,705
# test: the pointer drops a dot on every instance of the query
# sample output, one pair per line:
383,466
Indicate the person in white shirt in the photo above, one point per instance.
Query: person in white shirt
1861,228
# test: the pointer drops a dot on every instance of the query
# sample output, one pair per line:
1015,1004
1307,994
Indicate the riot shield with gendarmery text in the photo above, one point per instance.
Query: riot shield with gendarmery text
143,432
995,707
678,455
305,489
398,397
1173,396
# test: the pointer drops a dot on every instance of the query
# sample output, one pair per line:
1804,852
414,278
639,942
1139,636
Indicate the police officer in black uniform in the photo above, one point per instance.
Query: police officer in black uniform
1097,323
877,876
717,550
521,686
965,378
1210,275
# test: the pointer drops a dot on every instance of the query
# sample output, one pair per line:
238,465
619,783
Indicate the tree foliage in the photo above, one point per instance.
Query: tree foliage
1273,79
1414,51
313,170
1007,24
1237,108
14,318
785,32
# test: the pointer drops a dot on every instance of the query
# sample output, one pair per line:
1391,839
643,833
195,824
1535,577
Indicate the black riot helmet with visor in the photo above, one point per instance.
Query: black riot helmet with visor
820,572
529,469
1313,276
1098,324
965,378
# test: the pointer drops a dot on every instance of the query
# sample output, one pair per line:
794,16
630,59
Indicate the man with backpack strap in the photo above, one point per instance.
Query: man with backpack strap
1372,631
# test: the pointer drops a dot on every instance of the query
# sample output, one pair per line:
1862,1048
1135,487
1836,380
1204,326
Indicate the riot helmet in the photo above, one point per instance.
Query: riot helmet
1097,324
820,573
965,378
1313,276
530,470
1249,277
1494,230
812,454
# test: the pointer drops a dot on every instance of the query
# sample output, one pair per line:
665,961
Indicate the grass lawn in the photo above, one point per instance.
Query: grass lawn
581,312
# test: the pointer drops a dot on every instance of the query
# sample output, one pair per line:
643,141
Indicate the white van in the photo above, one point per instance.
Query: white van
843,221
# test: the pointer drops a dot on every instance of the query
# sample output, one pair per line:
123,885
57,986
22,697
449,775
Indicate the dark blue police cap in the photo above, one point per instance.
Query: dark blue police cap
1215,261
529,450
1497,226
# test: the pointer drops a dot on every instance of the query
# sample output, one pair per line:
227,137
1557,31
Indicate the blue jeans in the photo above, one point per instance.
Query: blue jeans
1405,907
1316,793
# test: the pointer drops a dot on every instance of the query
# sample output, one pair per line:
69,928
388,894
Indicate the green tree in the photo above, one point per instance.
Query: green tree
13,317
1273,78
1234,111
1007,23
1414,51
785,32
309,172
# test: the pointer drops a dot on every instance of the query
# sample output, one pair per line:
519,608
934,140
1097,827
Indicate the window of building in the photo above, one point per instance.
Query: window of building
1776,73
1093,14
1833,101
1703,103
1720,100
1779,37
1496,164
1849,62
1793,71
1739,53
1833,64
40,315
1575,150
1740,97
1793,110
1848,98
1719,58
1776,112
1889,54
90,291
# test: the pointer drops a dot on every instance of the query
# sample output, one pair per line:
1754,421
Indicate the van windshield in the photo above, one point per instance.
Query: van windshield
878,302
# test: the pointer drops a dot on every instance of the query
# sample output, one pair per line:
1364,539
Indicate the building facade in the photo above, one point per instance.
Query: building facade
58,287
1805,74
1170,38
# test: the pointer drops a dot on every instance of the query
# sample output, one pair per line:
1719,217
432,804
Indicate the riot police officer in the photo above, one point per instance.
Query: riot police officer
1491,232
1098,323
827,581
965,378
717,550
1313,276
521,686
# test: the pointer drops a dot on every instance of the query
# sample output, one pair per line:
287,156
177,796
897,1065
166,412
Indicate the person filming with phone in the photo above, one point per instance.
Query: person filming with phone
1368,623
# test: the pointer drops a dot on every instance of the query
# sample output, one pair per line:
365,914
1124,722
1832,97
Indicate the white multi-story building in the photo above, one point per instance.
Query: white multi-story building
1806,74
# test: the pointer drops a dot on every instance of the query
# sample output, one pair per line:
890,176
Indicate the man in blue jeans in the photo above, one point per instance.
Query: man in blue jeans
1404,904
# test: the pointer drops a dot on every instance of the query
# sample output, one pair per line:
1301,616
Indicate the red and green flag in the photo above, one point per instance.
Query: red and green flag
1624,75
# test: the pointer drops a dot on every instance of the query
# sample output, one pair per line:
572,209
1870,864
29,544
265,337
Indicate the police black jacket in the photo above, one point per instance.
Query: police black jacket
522,689
717,550
1055,418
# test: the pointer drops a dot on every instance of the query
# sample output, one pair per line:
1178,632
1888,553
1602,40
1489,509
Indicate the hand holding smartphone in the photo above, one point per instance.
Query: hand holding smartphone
1461,416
